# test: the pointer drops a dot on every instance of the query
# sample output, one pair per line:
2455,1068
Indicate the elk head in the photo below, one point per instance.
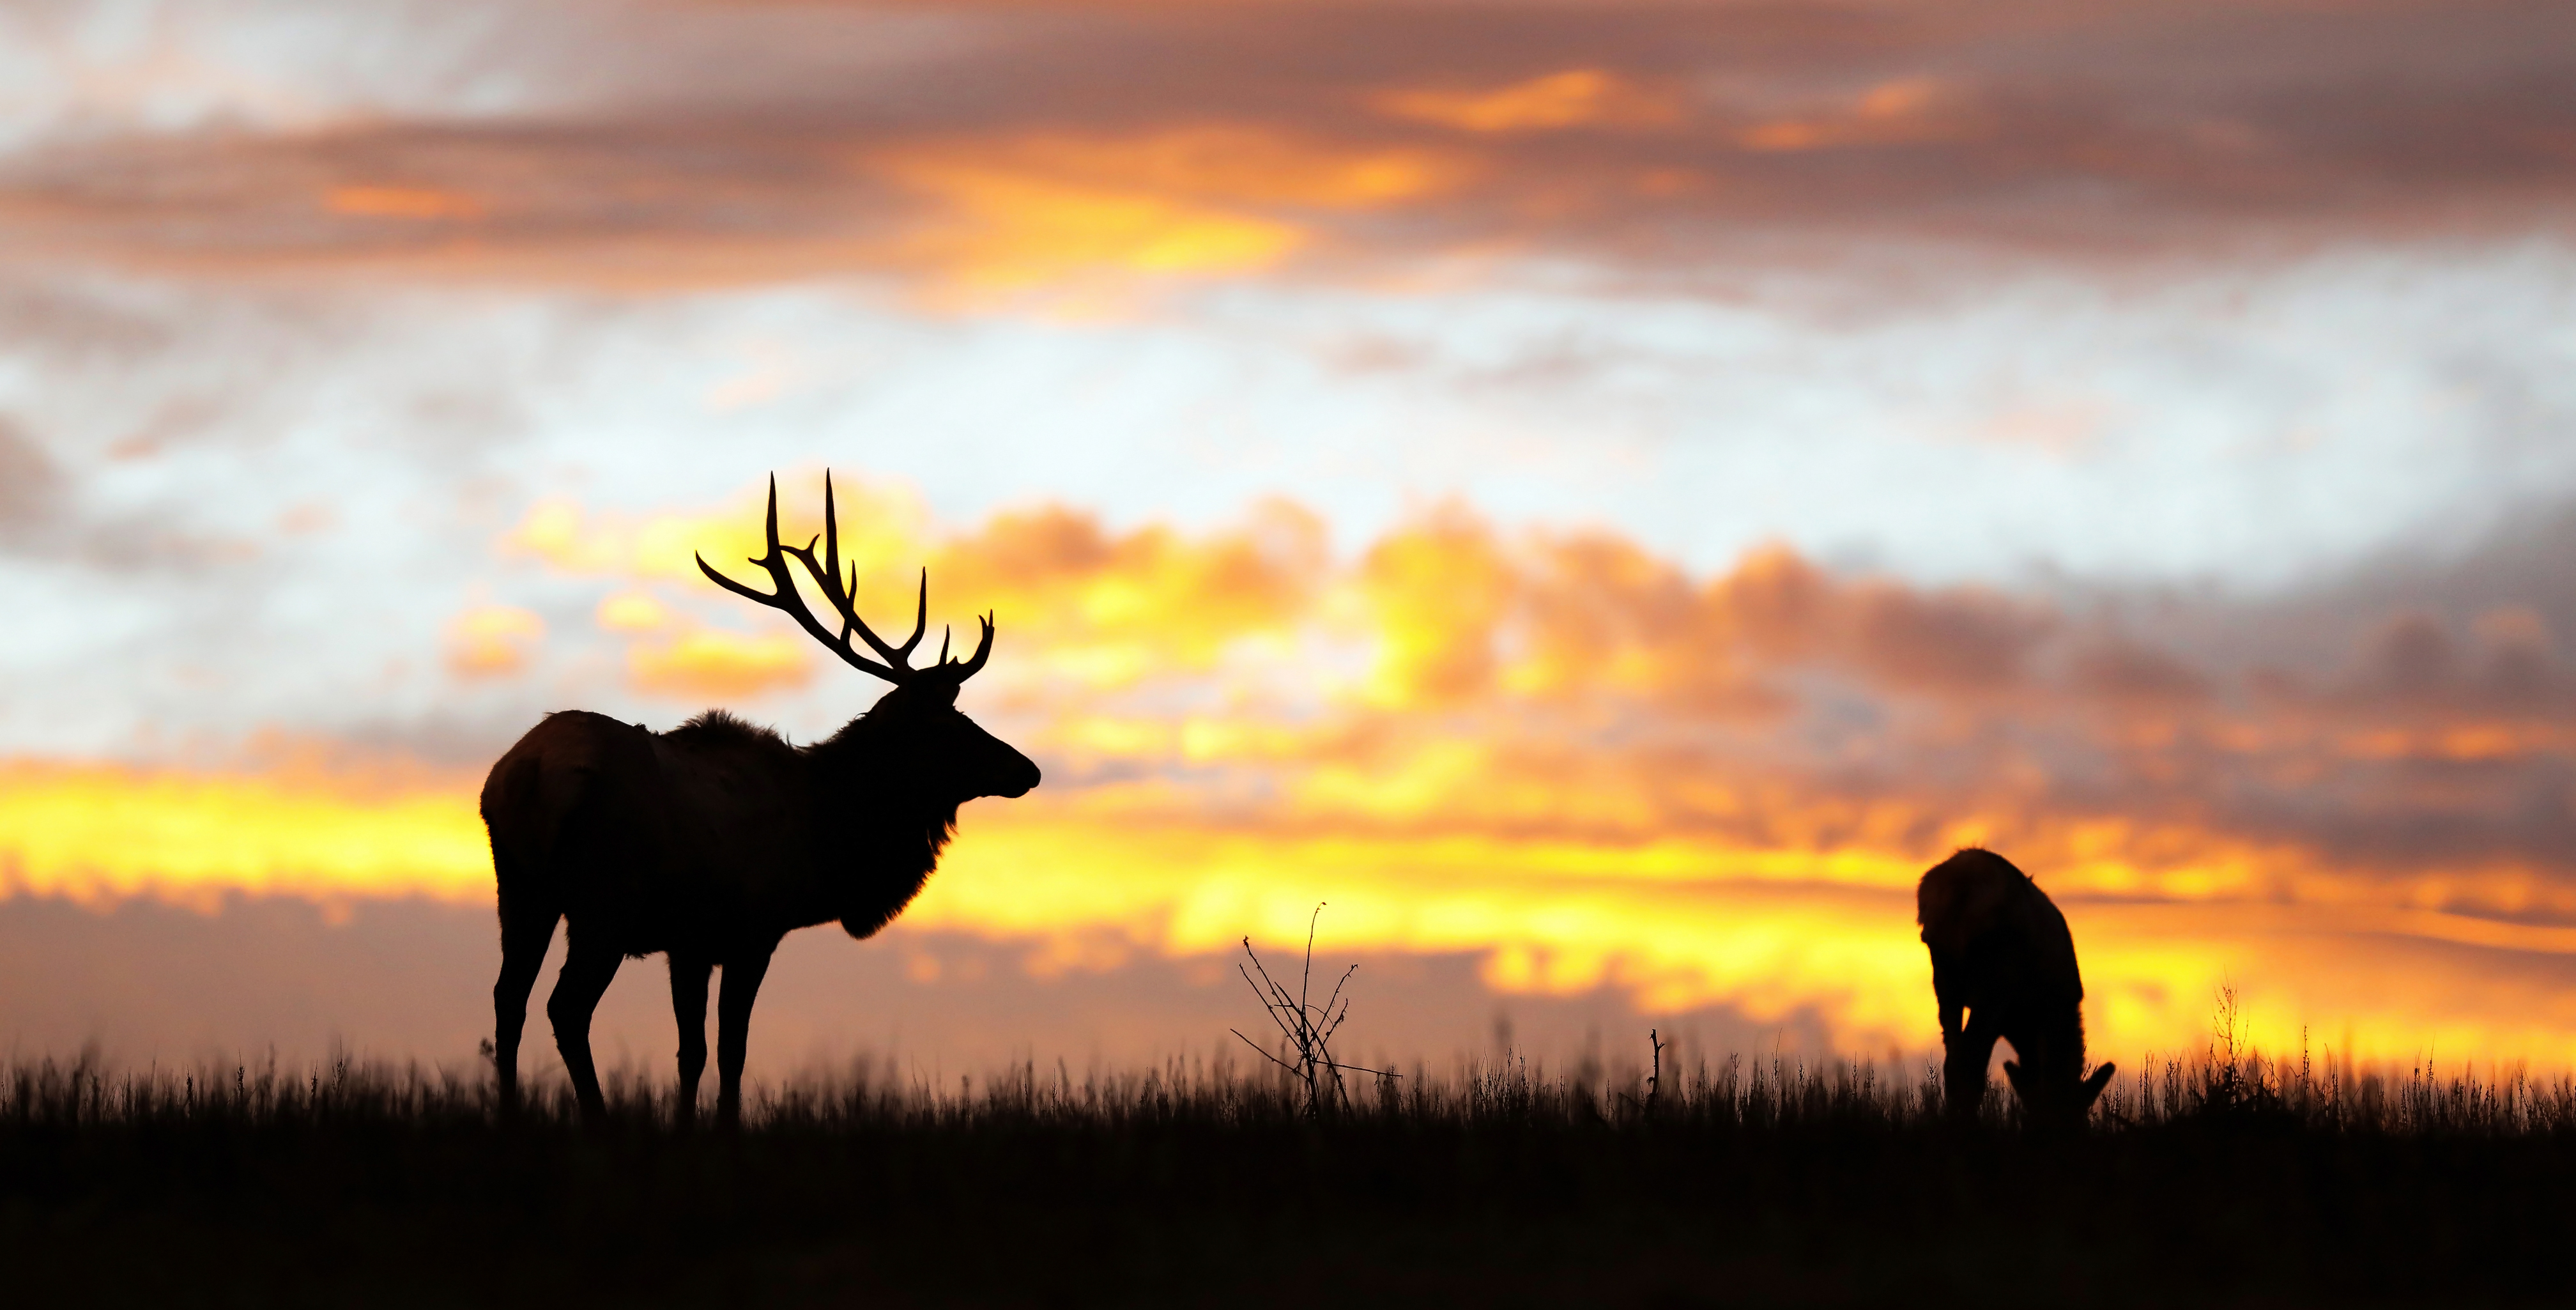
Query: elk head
2052,1094
940,756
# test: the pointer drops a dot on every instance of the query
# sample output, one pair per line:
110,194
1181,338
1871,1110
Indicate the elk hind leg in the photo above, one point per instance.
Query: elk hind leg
733,1032
524,938
689,1007
587,971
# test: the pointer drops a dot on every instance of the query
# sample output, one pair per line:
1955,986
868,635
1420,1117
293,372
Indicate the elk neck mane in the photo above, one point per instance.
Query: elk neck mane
896,834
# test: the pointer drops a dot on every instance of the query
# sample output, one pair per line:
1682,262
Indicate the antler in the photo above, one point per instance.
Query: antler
826,573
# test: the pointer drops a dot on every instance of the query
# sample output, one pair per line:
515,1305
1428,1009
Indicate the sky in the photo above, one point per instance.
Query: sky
1600,496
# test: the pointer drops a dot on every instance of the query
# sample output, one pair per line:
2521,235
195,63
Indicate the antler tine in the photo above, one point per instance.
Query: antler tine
787,599
982,649
920,620
827,575
832,538
920,612
842,595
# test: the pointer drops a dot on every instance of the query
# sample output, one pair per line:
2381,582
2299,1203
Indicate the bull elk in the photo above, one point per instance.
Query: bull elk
2001,955
713,841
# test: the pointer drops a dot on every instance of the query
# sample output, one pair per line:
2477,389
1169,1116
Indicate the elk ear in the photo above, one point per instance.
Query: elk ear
2093,1086
2012,1074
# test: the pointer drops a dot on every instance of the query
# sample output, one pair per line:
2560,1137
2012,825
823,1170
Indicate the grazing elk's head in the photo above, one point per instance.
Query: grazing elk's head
932,751
2052,1088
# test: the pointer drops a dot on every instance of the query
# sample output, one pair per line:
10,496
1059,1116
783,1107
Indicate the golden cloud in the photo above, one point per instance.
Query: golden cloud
1005,232
488,641
419,203
710,664
881,527
1818,923
633,611
1190,143
97,832
1047,209
1583,760
1910,111
1577,97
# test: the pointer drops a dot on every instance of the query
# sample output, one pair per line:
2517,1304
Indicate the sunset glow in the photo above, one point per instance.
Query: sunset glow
1582,763
1614,492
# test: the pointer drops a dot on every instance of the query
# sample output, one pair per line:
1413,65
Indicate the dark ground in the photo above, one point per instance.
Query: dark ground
382,1192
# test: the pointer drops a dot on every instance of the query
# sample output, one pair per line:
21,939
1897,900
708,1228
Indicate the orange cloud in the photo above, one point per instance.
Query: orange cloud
1585,761
1579,97
96,832
1194,141
1816,920
1438,591
1004,231
1108,610
1046,209
882,528
707,664
633,611
1238,165
1904,112
490,641
1099,608
419,203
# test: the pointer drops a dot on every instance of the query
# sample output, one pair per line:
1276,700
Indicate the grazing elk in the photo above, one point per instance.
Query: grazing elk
713,841
2001,954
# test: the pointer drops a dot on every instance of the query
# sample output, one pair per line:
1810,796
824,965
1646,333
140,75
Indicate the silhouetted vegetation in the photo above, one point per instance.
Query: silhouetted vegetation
2229,1178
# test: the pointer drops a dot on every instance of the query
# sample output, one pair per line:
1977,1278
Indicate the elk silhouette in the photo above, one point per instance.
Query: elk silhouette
2002,955
713,841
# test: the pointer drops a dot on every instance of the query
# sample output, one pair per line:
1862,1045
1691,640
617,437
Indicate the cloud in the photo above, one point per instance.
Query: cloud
880,526
1452,677
633,611
1586,762
98,832
403,202
1906,112
31,487
491,641
1099,607
1101,144
709,664
1577,97
1570,751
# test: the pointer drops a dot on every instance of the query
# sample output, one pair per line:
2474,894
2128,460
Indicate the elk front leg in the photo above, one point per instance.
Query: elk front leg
689,1007
585,978
1963,1069
733,1031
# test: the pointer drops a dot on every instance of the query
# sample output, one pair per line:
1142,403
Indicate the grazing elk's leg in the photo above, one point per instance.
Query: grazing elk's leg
587,971
733,1030
689,1006
523,953
1963,1070
1947,991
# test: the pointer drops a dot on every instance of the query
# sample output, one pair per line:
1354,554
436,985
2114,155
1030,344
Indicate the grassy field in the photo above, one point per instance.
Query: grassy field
2229,1180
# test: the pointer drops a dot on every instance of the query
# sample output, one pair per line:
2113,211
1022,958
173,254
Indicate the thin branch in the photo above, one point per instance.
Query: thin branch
1264,1054
1269,1007
1309,976
1355,1068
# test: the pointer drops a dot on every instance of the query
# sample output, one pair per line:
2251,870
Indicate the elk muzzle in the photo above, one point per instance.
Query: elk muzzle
1015,778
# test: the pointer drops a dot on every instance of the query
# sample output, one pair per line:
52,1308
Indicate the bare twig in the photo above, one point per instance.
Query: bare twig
1306,1030
1655,1081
